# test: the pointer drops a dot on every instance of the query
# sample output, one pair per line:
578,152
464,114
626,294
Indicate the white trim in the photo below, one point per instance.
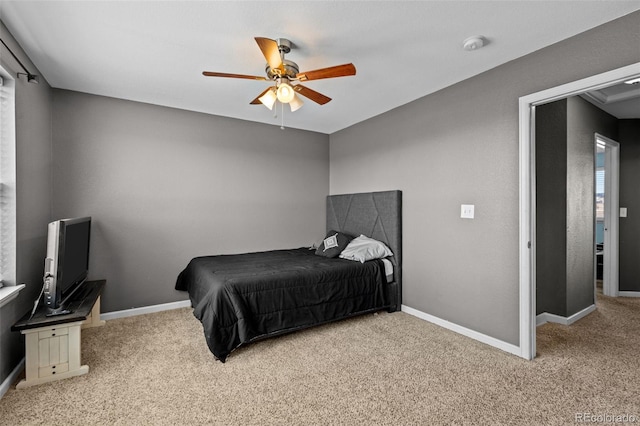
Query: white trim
7,294
546,317
12,377
610,273
629,293
145,310
527,189
543,319
491,341
527,237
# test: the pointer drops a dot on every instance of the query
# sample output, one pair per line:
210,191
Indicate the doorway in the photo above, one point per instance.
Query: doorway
607,213
527,106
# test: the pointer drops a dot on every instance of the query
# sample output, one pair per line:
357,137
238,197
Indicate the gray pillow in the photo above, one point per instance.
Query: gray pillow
364,248
333,244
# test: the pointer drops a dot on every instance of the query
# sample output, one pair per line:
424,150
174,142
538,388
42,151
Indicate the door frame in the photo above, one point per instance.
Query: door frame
527,179
610,272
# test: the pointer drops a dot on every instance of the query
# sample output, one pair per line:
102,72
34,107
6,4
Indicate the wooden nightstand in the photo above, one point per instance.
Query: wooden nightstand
52,344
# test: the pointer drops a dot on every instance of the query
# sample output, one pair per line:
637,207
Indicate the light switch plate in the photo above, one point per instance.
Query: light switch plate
623,212
467,211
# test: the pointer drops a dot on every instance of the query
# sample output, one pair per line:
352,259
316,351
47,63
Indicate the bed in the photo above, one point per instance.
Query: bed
243,298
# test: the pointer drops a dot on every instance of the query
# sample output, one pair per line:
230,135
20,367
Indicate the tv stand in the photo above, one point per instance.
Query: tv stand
52,343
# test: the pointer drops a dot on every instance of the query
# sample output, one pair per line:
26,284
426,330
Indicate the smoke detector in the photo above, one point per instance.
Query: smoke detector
473,43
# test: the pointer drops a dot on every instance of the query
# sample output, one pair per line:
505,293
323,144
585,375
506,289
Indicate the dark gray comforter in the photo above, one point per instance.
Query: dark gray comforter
244,297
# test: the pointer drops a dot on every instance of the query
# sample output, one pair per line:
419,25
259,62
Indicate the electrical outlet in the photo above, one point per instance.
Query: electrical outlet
467,211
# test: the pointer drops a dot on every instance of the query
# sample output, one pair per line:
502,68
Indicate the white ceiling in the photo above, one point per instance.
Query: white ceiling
155,52
621,100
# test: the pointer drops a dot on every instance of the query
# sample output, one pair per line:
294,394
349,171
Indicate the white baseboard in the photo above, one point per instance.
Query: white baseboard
145,310
546,317
629,293
13,376
491,341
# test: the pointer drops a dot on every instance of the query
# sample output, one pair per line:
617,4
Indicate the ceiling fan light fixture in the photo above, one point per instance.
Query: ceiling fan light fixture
281,72
268,99
285,93
296,103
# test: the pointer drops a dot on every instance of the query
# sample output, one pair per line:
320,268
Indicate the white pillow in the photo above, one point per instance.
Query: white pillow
364,248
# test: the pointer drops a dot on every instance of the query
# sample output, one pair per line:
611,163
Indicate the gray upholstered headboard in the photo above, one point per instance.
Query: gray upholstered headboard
377,215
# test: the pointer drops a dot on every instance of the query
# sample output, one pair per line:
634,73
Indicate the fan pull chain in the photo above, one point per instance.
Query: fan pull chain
282,115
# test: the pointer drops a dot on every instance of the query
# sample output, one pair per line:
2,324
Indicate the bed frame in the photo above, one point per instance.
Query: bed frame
224,308
377,215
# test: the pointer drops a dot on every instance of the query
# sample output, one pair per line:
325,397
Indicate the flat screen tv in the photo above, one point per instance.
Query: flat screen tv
67,263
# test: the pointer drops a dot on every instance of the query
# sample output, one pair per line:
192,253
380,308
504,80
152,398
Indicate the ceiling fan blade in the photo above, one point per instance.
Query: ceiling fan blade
256,101
311,94
270,51
330,72
224,74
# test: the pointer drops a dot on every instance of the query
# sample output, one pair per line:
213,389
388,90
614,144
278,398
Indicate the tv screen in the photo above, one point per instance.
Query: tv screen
74,265
67,262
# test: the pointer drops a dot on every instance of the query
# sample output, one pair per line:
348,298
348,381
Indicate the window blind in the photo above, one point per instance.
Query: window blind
600,181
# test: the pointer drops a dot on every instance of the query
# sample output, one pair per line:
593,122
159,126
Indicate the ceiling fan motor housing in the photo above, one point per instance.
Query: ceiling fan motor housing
284,45
290,70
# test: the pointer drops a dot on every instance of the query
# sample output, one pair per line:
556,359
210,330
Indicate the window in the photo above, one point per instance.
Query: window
7,180
600,194
600,159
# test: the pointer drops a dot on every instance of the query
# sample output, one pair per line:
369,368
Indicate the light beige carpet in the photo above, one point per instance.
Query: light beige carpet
378,369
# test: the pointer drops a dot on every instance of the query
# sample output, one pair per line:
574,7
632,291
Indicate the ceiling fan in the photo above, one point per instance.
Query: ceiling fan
283,72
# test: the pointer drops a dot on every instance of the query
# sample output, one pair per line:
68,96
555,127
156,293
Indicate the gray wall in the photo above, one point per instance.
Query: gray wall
165,185
629,139
583,121
460,145
33,197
